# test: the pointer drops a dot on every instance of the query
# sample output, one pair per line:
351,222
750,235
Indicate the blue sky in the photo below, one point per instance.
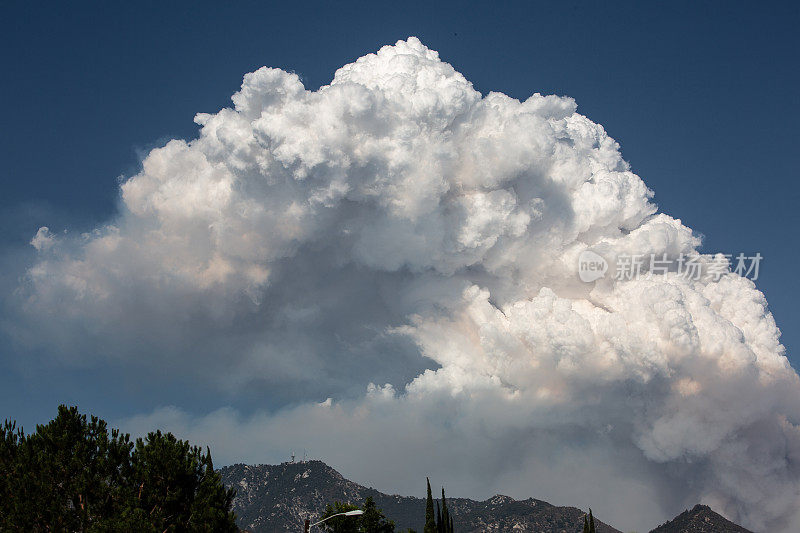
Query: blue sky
702,99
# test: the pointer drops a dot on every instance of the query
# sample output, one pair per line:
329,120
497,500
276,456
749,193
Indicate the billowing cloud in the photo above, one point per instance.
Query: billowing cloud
398,227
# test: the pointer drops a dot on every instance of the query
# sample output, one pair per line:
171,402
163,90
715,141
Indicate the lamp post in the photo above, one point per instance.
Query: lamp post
308,524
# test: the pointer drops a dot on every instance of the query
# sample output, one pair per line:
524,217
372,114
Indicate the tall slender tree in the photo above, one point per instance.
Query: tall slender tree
447,521
430,517
585,523
591,522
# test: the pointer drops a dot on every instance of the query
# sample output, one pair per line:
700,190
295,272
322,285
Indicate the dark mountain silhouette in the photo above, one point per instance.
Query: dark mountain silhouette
701,519
277,498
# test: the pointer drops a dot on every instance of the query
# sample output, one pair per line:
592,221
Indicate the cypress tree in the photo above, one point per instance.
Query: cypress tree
585,524
446,521
430,518
591,522
439,523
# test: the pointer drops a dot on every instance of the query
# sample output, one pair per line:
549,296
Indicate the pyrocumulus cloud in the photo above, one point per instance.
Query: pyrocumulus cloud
396,227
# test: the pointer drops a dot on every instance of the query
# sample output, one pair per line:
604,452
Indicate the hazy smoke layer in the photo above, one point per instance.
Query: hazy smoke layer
397,227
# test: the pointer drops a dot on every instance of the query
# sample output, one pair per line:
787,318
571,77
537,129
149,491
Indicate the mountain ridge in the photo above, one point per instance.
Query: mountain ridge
278,498
272,498
700,519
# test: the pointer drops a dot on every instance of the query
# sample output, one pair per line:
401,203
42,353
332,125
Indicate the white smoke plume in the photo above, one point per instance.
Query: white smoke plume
398,227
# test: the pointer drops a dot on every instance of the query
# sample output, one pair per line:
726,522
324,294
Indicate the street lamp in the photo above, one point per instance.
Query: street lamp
356,512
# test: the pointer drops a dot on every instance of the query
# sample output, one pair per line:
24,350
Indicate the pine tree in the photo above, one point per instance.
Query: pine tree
373,520
430,518
183,490
71,475
68,475
341,524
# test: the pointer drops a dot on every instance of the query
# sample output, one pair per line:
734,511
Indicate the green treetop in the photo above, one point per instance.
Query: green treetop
430,517
372,521
73,475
